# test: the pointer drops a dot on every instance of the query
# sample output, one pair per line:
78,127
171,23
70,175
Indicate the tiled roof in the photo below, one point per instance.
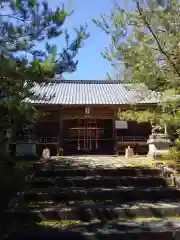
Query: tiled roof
79,92
141,94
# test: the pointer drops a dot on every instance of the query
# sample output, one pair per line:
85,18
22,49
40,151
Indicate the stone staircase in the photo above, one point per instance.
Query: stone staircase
65,200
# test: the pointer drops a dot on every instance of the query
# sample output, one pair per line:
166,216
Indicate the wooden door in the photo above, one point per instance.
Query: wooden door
88,133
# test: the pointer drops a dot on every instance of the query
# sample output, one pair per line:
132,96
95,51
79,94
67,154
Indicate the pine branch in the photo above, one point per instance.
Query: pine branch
156,39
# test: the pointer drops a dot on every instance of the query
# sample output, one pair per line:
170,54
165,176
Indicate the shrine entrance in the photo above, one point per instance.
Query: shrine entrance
88,136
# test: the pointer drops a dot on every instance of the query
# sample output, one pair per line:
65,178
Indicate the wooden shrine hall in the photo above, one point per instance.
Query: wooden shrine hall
83,117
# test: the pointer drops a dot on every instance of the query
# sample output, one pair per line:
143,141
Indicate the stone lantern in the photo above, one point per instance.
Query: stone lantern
159,143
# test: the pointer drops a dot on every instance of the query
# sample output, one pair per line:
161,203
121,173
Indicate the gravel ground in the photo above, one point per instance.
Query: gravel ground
109,161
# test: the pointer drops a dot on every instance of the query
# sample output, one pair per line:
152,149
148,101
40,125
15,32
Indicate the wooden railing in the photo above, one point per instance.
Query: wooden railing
54,140
93,139
23,138
132,139
34,139
49,140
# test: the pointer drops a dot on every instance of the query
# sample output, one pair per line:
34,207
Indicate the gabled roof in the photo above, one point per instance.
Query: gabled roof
79,92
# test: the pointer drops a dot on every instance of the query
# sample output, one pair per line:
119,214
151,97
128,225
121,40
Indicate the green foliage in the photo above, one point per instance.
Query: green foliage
25,24
173,155
174,152
177,143
146,41
156,116
130,46
140,116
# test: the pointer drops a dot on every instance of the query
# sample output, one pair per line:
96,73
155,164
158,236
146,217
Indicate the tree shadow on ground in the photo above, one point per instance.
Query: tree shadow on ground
108,224
102,230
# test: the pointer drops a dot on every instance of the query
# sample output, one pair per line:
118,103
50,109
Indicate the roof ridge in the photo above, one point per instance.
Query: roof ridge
56,80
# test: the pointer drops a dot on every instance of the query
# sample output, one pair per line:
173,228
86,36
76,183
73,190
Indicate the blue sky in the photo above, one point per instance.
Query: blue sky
91,63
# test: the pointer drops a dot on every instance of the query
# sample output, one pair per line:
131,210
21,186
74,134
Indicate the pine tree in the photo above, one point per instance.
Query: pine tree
23,24
146,41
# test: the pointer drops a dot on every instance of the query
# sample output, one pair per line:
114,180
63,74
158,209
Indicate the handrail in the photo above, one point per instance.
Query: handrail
87,128
93,139
48,140
30,138
131,138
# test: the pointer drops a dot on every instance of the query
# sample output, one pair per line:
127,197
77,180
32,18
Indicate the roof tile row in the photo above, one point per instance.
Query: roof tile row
67,92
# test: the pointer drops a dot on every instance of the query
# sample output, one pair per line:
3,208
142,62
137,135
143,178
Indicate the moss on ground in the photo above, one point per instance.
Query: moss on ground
39,203
65,223
138,161
25,163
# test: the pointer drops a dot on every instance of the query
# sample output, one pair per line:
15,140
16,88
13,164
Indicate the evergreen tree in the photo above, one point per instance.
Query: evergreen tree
146,41
23,24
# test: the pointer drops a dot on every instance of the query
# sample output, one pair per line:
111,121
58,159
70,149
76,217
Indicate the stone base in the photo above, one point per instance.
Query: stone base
158,145
26,149
150,156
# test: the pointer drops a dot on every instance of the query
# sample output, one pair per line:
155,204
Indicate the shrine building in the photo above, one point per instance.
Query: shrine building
83,117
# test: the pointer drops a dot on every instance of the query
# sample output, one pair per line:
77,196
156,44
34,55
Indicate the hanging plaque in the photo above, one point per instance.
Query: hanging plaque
87,111
121,125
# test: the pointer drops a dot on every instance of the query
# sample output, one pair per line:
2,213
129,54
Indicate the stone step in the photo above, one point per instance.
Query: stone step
96,181
88,212
119,194
136,230
129,171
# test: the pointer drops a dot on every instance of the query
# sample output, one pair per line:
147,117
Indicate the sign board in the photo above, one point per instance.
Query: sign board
121,125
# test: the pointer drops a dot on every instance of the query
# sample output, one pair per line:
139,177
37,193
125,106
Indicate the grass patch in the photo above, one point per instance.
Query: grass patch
145,162
25,163
60,223
65,223
166,161
39,203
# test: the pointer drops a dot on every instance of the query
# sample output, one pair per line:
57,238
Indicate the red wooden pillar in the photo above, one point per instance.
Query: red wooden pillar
79,134
84,133
90,135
